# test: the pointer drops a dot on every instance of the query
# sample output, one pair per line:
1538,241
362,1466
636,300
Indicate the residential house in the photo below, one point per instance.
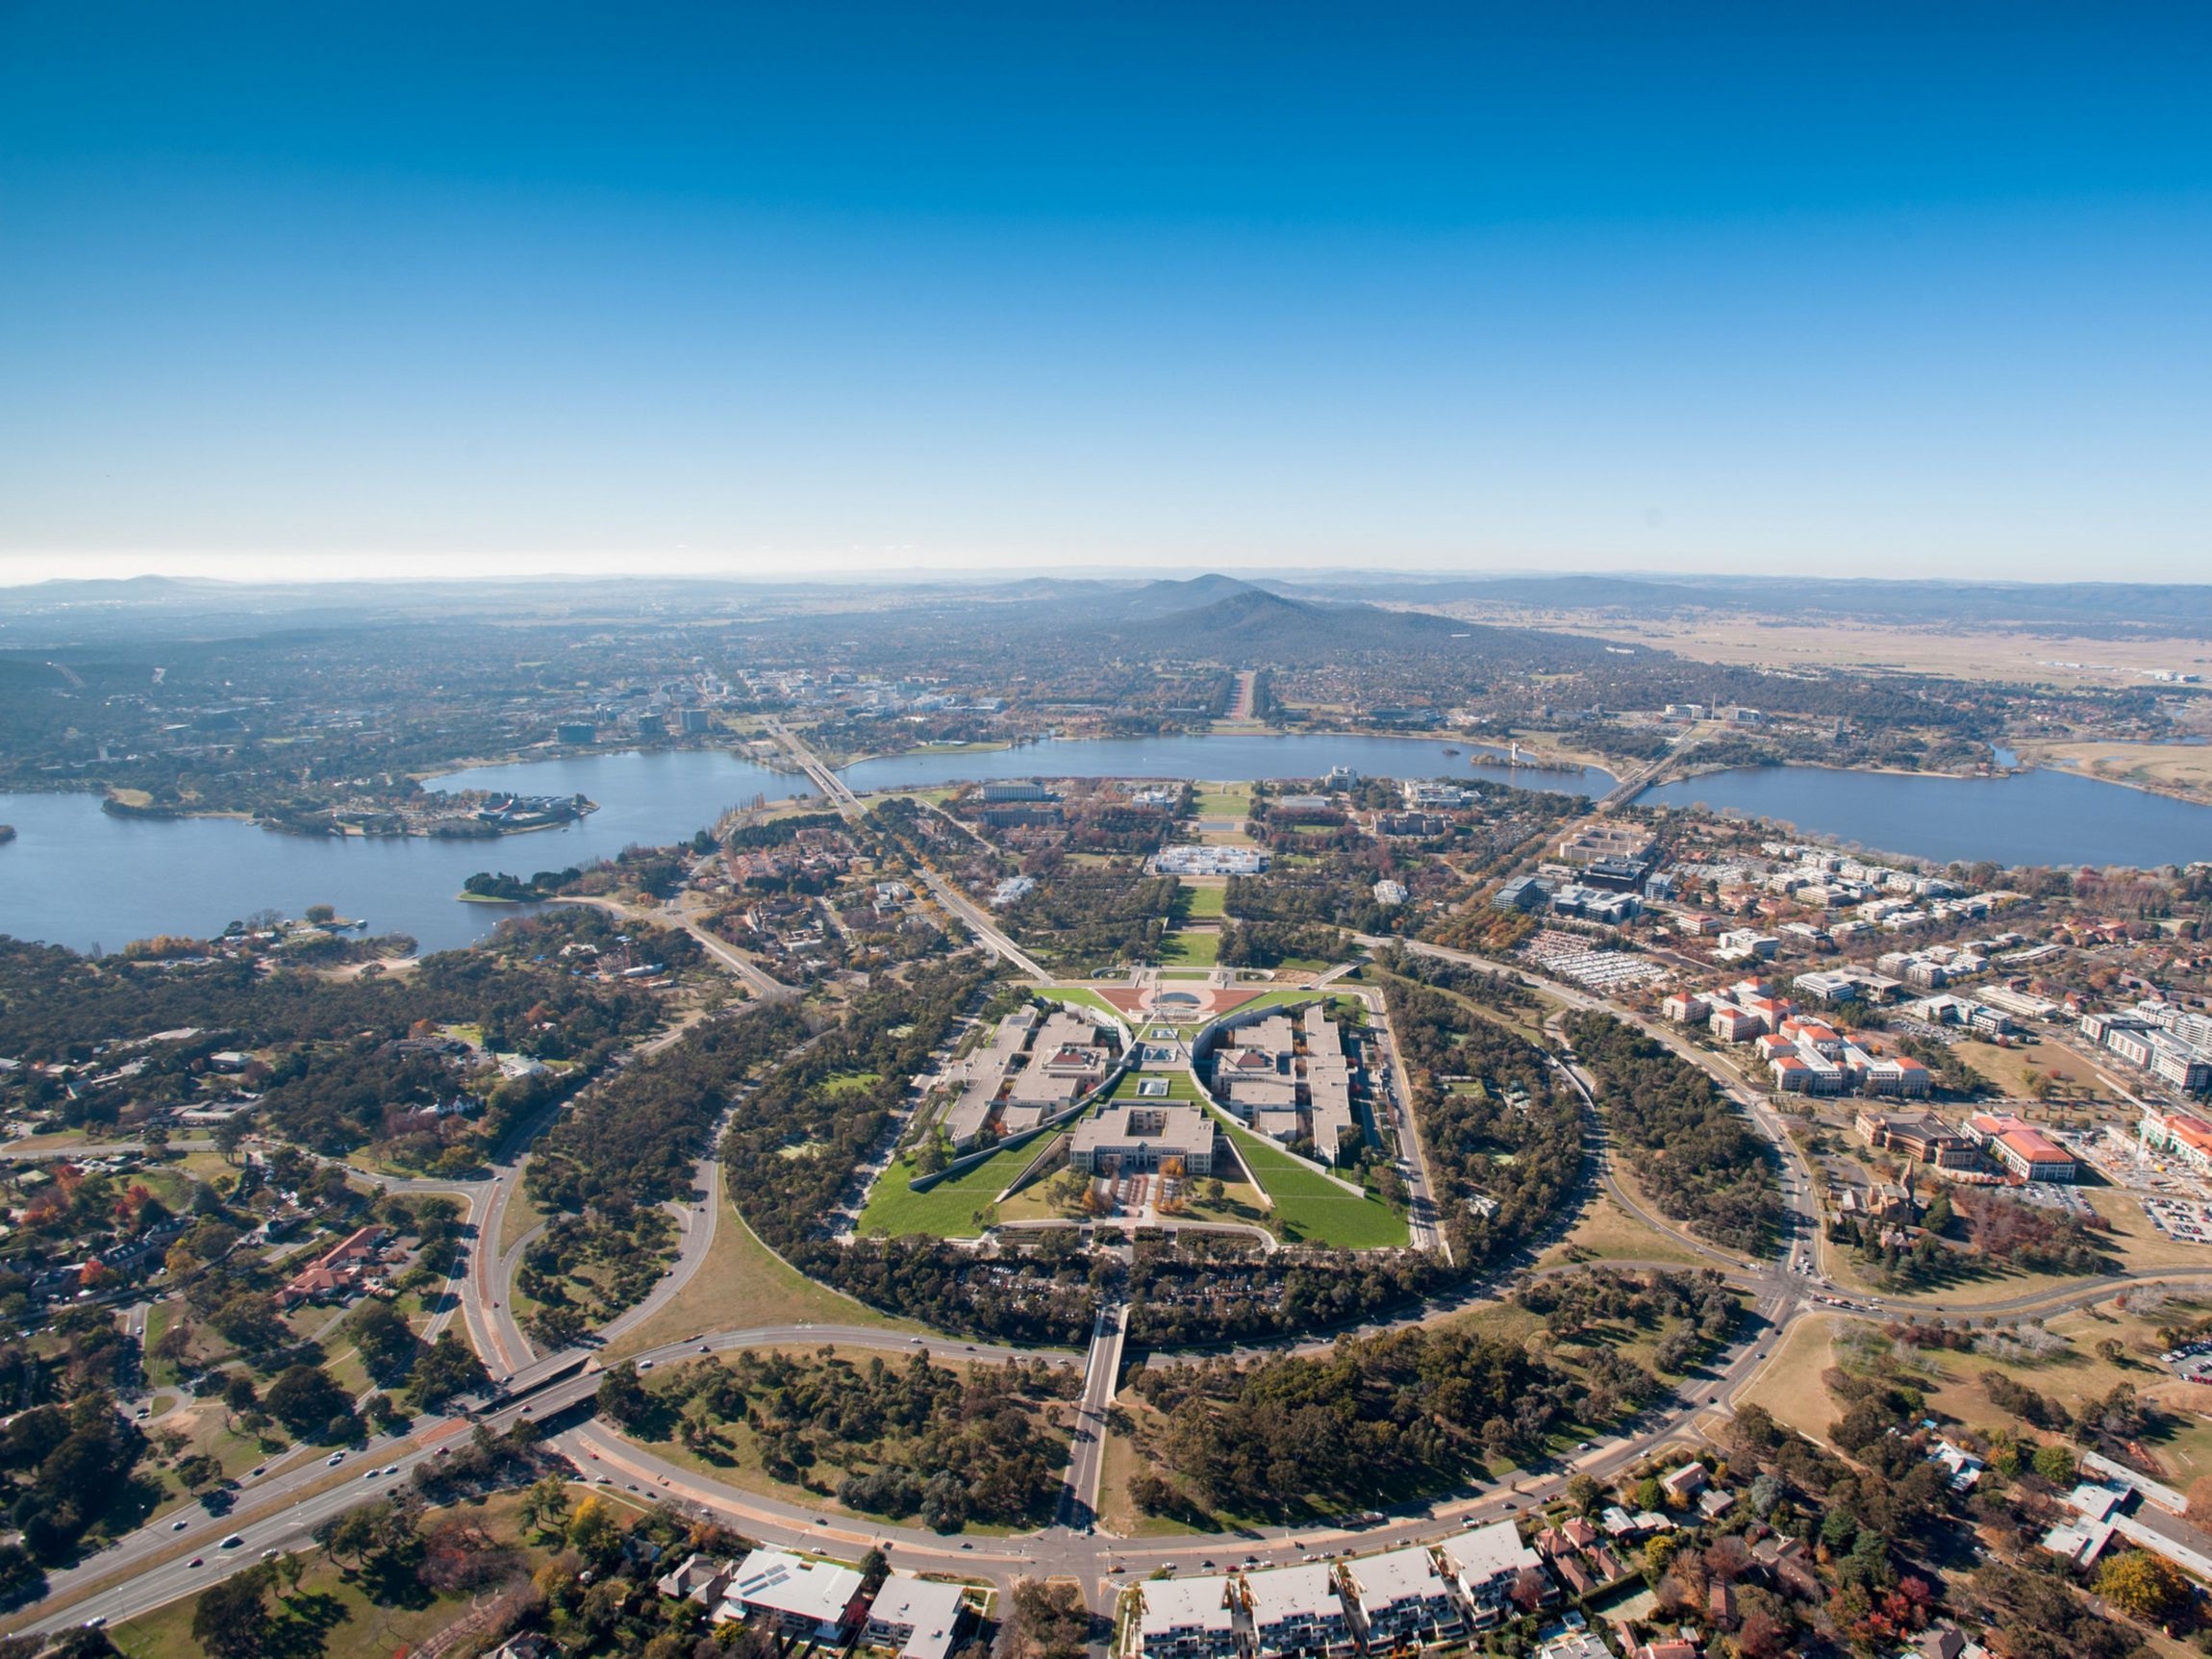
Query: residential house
805,1600
921,1618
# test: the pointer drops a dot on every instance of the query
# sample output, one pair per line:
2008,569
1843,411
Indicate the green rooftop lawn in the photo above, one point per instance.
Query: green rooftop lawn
947,1210
1181,1087
1076,993
1315,1208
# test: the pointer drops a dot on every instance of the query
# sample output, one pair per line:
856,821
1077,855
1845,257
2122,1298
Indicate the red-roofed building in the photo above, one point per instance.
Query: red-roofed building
2025,1152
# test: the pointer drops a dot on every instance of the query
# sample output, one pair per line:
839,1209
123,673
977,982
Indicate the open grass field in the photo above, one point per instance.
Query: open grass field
1226,801
1966,654
1790,1386
2078,1372
954,1209
2180,767
742,1284
1204,899
518,1220
1608,1233
1314,1208
1191,948
1240,1203
2075,1080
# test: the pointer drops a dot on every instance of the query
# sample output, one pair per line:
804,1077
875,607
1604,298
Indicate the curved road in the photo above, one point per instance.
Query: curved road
281,1511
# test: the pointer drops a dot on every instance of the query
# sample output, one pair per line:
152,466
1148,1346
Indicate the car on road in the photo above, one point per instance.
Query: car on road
334,1460
233,1542
177,1526
197,1561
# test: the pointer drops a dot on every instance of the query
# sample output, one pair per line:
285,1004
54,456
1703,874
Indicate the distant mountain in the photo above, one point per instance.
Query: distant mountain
1168,599
1250,626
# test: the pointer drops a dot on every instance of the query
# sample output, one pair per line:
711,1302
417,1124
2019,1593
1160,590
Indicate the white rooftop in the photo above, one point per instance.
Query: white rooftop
1397,1575
785,1583
1283,1593
1187,1604
1485,1552
927,1610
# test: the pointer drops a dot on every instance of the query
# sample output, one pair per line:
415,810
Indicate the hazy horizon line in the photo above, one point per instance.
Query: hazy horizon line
1009,576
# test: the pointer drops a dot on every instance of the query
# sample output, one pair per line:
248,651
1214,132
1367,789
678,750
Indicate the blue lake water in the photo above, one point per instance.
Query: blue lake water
79,877
2030,818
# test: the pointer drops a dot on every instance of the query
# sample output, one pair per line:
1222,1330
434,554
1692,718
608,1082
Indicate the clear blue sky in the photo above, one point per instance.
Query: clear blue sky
341,289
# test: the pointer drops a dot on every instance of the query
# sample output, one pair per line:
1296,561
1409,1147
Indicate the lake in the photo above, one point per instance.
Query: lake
2042,817
78,876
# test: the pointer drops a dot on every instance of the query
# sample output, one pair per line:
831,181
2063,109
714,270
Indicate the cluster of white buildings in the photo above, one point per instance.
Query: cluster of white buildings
1805,1054
1068,1061
2169,1043
805,1600
1424,794
1208,860
1399,1601
1258,1078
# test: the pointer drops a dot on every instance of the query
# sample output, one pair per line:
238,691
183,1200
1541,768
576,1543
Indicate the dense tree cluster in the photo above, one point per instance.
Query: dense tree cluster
1380,1419
1694,1311
633,1140
62,1469
912,1438
1206,1288
340,1077
1504,1142
1688,1145
1272,944
1094,915
2033,1236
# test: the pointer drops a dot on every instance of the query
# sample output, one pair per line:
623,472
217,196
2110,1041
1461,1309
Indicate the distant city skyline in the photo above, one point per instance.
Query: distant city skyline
303,293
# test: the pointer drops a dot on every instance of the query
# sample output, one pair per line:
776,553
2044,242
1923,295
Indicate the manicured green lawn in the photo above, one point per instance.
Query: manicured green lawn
850,1081
1273,999
1181,1085
1228,803
948,1209
1314,1207
1193,949
1077,993
1204,903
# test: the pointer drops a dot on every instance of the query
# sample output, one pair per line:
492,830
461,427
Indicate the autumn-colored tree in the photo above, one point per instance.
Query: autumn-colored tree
2145,1585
